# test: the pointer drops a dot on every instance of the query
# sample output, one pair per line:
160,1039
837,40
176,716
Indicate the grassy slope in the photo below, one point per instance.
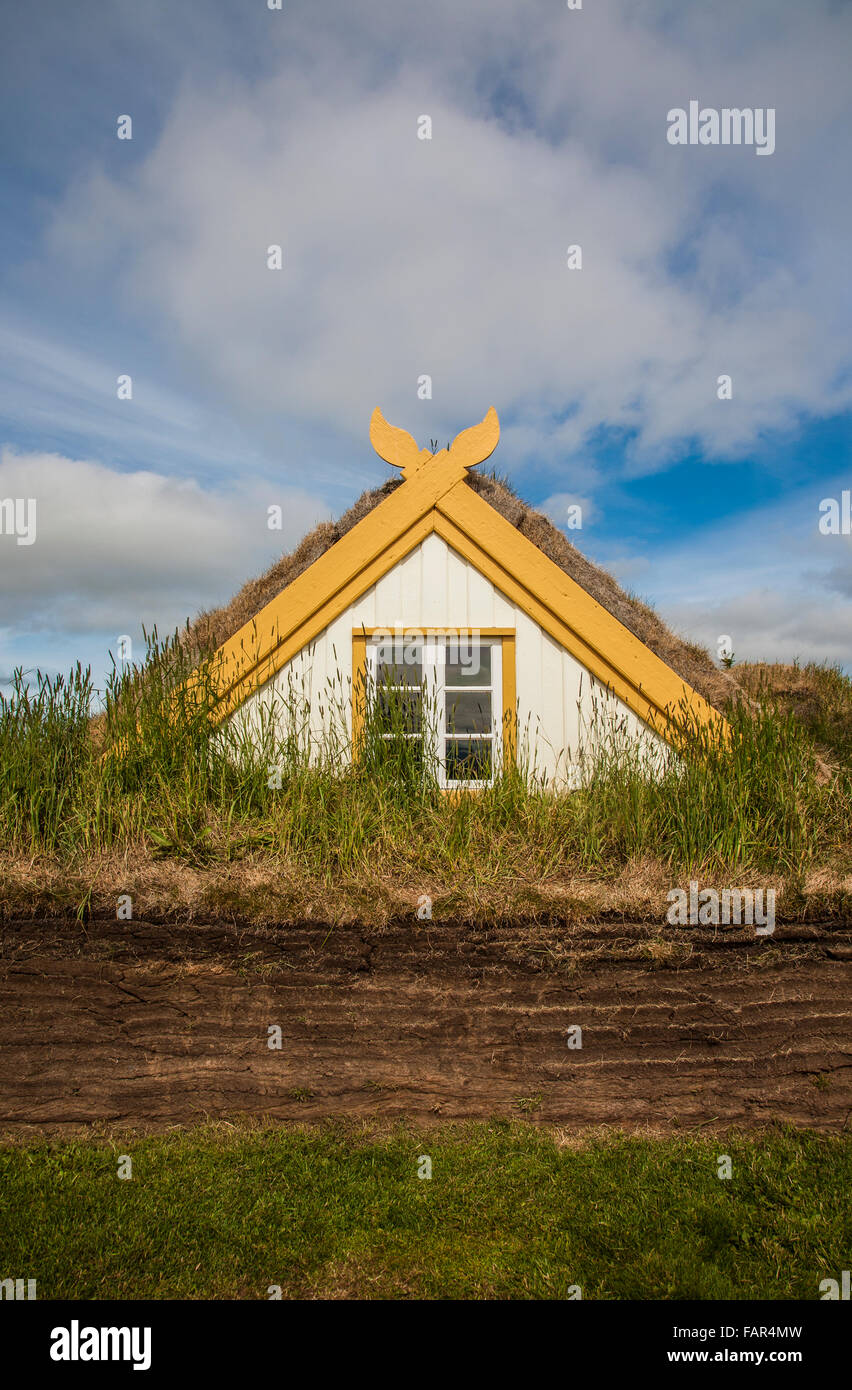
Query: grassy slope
180,826
508,1213
820,698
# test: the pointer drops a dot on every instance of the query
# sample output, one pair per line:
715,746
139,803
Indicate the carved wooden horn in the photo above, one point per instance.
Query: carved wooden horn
394,445
478,442
398,448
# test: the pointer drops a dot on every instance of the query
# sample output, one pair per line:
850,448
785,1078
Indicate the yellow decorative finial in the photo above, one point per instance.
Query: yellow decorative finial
394,445
398,448
477,443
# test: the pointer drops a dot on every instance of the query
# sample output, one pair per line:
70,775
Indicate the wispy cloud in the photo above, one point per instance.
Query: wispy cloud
405,257
448,256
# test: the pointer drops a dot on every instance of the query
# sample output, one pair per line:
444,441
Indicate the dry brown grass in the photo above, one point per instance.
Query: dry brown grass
267,890
819,696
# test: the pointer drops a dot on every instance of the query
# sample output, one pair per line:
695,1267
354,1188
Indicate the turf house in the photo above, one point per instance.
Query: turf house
443,611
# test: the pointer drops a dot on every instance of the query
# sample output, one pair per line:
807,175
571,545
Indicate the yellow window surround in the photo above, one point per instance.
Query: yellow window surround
506,637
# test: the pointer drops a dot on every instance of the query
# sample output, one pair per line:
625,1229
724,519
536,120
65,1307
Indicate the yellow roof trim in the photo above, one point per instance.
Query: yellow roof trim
565,610
639,698
239,674
435,497
347,569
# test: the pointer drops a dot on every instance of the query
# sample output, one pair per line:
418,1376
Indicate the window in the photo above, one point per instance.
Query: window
444,693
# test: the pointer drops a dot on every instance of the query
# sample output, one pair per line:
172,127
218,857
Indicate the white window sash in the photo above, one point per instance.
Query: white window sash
435,710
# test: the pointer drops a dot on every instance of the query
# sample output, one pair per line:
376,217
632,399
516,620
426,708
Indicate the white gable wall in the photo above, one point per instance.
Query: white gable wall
435,587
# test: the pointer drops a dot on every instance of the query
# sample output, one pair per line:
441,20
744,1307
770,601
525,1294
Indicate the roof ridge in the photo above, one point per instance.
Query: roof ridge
689,660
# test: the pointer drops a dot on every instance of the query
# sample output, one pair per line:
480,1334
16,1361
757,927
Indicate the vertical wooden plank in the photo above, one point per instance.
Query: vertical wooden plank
434,605
363,610
480,599
529,687
504,610
411,589
552,707
572,676
389,598
458,614
510,687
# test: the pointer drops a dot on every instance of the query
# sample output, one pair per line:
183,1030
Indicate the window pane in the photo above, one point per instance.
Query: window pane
468,712
399,710
468,662
468,761
399,663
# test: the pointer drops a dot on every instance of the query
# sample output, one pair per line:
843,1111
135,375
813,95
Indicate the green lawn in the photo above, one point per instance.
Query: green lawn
332,1211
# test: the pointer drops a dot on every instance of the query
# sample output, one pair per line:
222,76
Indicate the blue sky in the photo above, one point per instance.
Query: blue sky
404,257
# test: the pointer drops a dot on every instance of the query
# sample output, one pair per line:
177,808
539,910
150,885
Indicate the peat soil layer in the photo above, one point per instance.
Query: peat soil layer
145,1025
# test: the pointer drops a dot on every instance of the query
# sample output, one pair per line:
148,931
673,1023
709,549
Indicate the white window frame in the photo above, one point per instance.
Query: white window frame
434,648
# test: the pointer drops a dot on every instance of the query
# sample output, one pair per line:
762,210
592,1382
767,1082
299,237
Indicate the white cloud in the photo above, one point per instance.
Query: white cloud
114,549
769,579
447,256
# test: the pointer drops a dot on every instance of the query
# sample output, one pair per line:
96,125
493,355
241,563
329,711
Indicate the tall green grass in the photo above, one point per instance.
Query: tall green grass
44,745
149,770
